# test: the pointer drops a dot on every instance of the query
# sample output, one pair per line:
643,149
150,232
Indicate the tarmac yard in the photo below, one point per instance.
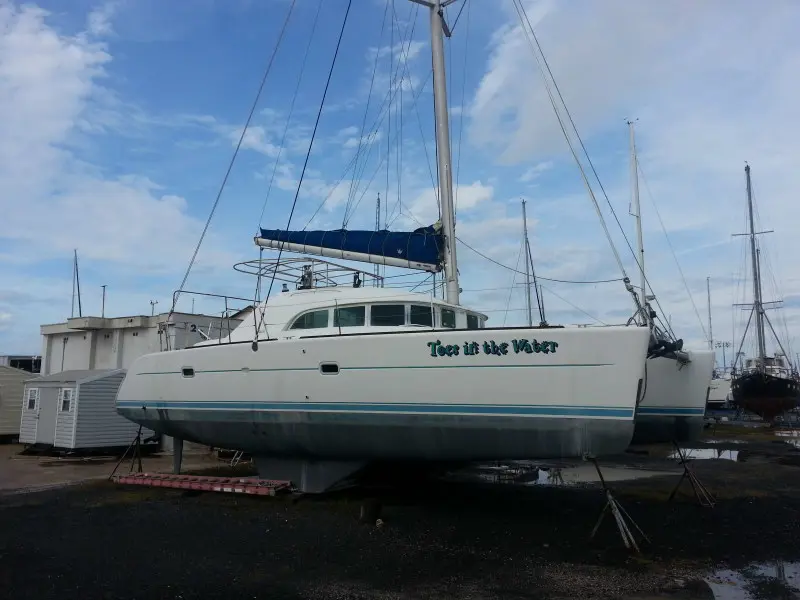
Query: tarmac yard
461,538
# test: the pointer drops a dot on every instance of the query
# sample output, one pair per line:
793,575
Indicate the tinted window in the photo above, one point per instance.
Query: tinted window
448,318
349,316
421,315
312,320
472,321
388,314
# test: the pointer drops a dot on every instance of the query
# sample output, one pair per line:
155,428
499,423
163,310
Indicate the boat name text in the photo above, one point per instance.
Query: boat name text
492,347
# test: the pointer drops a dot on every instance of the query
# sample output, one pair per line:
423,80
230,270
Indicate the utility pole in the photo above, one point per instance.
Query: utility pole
103,307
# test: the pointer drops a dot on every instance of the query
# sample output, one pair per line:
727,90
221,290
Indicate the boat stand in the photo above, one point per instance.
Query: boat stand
136,457
621,516
701,493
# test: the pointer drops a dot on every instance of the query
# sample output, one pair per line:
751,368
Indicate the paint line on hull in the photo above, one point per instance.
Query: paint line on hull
415,408
387,368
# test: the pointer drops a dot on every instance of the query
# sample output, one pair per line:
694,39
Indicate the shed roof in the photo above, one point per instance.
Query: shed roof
72,376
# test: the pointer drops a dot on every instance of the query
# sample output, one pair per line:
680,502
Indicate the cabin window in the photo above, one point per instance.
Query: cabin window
312,320
472,321
448,318
388,315
350,316
421,315
66,399
33,398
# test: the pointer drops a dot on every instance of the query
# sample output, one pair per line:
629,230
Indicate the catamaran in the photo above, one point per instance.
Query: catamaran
327,377
677,380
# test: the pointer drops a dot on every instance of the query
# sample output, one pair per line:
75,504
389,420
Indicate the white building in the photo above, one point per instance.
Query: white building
89,343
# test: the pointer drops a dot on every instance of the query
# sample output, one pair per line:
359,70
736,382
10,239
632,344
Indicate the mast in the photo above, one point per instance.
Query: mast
438,30
527,265
638,215
757,306
710,334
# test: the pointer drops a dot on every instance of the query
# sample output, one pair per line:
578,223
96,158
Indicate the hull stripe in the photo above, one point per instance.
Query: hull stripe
490,410
384,368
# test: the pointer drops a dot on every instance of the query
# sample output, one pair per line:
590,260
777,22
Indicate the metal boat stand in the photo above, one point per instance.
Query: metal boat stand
701,493
136,457
621,516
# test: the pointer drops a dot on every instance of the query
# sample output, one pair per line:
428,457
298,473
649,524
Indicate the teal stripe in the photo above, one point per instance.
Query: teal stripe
366,407
560,365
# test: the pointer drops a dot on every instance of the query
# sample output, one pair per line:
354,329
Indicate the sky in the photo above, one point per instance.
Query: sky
120,121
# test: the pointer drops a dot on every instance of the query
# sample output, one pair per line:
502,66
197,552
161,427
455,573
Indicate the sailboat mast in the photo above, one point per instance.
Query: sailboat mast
438,31
638,214
757,306
710,334
527,265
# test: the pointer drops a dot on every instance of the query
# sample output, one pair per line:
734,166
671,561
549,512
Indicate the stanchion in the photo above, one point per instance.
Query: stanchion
701,493
621,516
136,446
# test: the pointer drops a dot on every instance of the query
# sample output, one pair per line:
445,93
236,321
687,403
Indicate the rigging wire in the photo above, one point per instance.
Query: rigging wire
499,264
351,193
522,13
463,97
235,154
291,112
672,249
305,162
513,283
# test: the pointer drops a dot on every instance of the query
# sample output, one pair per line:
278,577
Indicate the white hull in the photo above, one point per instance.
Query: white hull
719,393
674,402
391,399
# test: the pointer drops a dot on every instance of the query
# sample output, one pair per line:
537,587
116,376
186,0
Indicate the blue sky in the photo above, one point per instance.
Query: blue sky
126,114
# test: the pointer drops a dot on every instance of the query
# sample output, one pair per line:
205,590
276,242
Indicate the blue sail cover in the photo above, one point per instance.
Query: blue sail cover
423,245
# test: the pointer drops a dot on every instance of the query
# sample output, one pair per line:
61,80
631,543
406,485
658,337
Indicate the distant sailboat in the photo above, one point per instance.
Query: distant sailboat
765,385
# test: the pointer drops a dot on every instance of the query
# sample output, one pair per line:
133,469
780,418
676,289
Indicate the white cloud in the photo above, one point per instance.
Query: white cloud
51,94
713,85
98,22
536,171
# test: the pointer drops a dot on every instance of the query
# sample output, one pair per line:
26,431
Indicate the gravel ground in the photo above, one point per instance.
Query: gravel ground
437,540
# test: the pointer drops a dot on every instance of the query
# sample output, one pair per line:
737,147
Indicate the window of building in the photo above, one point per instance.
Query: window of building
135,333
312,320
66,399
421,315
387,315
448,318
350,316
33,398
472,321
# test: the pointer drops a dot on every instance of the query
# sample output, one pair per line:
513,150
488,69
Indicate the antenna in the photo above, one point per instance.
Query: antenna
153,306
103,307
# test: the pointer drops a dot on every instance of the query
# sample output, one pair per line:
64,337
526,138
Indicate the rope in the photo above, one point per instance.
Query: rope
291,112
672,249
305,162
499,264
235,154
